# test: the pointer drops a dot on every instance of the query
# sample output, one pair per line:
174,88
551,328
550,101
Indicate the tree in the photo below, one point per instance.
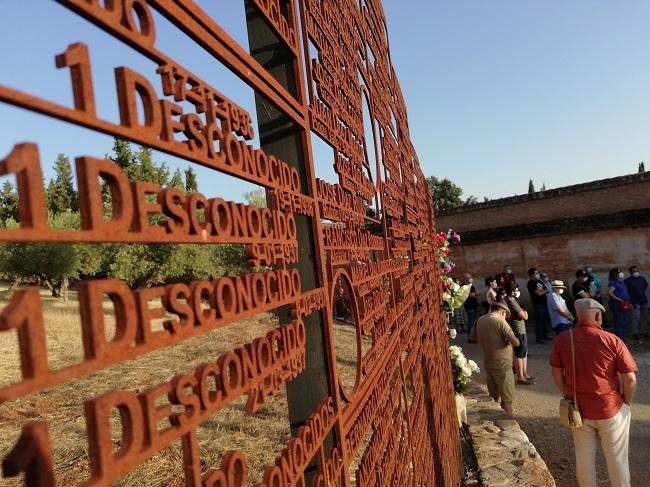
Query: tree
61,195
191,184
256,197
543,186
123,155
177,180
149,170
641,166
139,166
51,264
8,203
447,195
531,187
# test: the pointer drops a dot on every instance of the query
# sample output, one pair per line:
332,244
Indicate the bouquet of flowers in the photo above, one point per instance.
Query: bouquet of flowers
462,369
453,294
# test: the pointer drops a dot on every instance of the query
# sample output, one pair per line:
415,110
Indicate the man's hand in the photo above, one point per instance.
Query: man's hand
567,314
558,378
628,383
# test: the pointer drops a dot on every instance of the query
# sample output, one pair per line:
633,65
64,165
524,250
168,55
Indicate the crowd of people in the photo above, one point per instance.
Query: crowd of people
589,359
626,298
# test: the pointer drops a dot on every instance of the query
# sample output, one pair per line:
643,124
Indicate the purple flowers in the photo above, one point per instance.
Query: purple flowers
454,238
447,268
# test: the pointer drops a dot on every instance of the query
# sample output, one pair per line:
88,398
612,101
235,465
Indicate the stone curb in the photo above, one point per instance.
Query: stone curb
504,454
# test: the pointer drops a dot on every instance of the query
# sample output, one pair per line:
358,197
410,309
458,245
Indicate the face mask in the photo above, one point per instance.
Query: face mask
621,275
537,275
494,285
508,271
636,274
583,279
516,294
561,291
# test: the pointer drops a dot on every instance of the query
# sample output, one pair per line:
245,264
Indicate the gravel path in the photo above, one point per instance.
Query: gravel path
536,409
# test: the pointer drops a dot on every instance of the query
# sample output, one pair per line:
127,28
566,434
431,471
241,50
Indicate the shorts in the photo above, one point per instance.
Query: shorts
501,384
522,350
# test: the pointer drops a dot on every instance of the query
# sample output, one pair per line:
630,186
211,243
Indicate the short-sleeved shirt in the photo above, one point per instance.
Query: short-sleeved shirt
595,284
533,285
579,286
555,304
600,356
494,334
518,325
637,287
620,289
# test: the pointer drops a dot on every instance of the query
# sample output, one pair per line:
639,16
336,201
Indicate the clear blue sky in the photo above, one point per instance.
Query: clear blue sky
497,92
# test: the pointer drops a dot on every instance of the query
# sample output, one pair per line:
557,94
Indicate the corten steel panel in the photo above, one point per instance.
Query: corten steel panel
371,236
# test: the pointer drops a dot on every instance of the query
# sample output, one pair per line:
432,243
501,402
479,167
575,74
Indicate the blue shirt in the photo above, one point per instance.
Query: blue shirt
620,289
555,303
637,286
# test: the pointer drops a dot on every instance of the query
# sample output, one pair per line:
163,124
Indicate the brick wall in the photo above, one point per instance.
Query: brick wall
602,224
599,197
558,255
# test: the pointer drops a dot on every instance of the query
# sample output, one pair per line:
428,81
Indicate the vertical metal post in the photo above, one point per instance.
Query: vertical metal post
285,139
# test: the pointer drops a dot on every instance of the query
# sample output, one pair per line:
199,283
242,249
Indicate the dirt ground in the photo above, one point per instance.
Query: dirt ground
536,410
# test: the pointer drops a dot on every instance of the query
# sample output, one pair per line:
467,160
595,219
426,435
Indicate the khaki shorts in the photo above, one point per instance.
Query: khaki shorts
501,385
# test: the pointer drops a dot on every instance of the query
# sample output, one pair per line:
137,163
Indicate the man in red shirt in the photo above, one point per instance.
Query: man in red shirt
606,383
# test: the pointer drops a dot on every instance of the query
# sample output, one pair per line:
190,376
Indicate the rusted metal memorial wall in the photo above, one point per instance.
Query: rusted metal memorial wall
315,66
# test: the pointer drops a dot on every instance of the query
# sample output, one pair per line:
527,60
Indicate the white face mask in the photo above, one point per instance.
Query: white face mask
516,294
561,291
621,275
636,274
508,271
537,275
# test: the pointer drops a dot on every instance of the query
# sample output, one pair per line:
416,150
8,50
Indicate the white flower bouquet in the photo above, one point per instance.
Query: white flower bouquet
462,369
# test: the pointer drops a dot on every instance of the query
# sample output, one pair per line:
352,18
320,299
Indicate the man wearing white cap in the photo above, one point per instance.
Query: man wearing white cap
496,338
605,383
561,317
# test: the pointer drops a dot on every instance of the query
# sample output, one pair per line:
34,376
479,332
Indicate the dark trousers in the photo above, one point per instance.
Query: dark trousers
472,315
541,312
620,319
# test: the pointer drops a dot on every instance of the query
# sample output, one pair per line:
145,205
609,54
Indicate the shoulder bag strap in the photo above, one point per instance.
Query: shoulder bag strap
573,361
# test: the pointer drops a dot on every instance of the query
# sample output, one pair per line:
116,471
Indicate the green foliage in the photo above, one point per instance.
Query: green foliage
61,195
256,197
52,264
177,180
531,187
8,203
56,265
139,166
641,166
191,184
447,195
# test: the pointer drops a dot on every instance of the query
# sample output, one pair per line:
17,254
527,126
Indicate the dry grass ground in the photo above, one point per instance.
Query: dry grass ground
260,436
